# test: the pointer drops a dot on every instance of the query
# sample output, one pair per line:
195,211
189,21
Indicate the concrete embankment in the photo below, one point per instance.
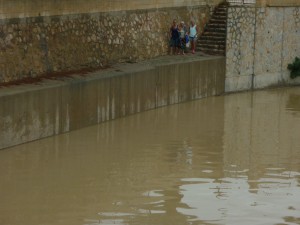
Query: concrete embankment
35,111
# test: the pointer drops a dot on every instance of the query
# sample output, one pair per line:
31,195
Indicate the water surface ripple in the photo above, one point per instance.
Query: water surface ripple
231,159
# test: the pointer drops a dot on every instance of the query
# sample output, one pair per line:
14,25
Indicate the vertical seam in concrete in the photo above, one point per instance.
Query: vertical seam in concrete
254,49
156,86
73,100
227,23
282,39
60,112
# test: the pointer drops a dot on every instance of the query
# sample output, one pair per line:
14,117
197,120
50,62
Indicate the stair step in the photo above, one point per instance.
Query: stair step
215,30
219,17
217,21
221,10
212,42
212,45
212,38
216,25
215,47
211,51
215,34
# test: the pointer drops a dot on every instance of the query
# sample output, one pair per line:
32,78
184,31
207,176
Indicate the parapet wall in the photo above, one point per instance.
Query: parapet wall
31,112
41,37
261,42
33,8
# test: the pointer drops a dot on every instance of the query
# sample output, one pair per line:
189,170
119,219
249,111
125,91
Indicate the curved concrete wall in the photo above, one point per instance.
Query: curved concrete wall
31,112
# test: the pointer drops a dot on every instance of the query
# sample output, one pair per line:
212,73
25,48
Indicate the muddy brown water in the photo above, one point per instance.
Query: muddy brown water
231,159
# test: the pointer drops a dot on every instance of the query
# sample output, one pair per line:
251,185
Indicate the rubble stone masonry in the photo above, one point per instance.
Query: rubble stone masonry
41,37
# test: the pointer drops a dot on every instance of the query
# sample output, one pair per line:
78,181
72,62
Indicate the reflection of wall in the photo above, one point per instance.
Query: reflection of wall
255,140
133,165
261,42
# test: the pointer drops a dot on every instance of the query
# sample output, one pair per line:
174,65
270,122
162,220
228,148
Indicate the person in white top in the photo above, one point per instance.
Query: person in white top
193,35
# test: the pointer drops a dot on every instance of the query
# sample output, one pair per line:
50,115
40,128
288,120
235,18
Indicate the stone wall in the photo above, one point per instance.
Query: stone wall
240,48
34,46
261,42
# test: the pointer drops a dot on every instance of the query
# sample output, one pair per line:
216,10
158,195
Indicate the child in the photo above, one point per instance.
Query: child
182,34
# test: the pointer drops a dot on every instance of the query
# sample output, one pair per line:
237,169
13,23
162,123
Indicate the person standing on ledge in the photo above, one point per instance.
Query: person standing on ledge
182,37
193,35
174,41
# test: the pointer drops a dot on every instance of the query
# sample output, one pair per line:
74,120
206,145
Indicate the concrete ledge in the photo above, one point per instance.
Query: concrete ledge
31,112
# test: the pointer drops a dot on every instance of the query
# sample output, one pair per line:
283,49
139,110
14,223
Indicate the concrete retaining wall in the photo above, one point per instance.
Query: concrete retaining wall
31,112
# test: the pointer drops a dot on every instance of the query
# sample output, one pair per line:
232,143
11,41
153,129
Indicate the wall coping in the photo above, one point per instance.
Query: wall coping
28,8
278,3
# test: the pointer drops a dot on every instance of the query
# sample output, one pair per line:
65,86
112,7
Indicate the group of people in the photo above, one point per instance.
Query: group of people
182,37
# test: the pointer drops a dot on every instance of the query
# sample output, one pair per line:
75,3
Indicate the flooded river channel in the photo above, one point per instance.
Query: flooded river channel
231,159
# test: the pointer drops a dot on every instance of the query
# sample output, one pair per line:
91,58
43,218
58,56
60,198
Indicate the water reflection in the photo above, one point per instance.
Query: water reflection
220,160
293,103
231,200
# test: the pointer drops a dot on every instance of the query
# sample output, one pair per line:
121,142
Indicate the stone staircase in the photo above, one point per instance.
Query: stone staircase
213,39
